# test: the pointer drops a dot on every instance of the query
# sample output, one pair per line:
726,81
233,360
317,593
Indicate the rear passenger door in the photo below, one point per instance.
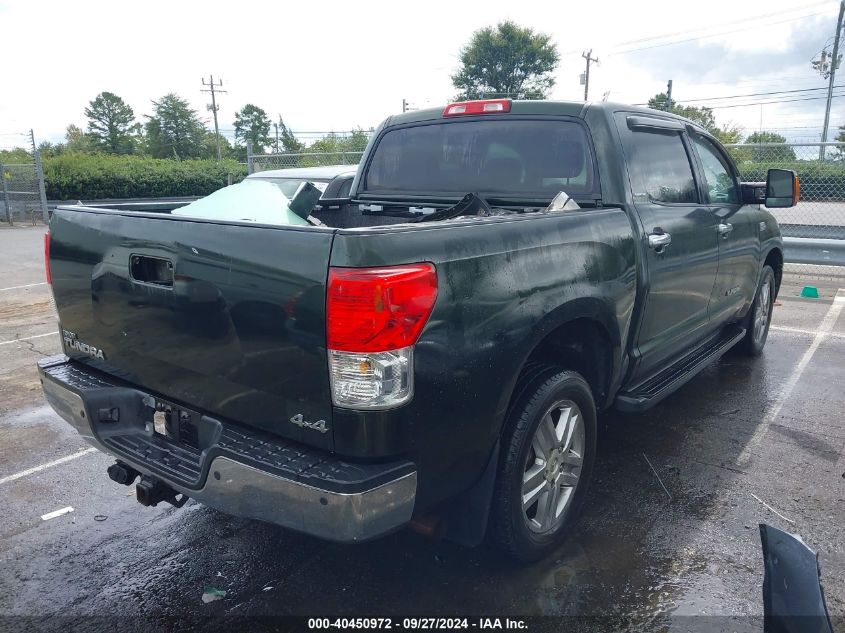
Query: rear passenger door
736,226
679,241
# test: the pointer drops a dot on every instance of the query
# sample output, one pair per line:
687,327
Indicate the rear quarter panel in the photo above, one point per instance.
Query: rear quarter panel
504,283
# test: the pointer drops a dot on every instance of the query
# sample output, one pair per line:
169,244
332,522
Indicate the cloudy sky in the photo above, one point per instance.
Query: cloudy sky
330,65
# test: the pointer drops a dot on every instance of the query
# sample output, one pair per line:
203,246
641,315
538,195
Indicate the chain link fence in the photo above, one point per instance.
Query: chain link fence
264,162
23,194
821,170
814,229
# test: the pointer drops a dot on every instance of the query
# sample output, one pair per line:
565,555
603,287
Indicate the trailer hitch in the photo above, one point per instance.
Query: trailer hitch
149,492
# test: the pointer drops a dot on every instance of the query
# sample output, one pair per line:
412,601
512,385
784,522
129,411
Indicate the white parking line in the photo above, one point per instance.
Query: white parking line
36,469
822,332
26,338
43,283
56,513
798,330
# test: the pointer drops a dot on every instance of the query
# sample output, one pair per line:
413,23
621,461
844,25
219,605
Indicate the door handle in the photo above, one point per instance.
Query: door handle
658,241
725,229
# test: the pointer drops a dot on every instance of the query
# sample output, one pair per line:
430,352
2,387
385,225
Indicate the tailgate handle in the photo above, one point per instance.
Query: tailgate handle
151,270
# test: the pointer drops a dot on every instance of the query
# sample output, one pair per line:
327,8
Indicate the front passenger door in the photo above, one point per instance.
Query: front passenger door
736,279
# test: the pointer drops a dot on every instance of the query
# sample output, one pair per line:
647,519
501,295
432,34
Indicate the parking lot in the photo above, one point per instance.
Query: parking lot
669,529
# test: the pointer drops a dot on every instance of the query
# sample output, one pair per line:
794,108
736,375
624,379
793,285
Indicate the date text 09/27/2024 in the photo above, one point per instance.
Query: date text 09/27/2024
417,623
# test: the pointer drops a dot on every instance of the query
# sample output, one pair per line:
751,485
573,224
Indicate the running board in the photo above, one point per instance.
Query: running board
650,393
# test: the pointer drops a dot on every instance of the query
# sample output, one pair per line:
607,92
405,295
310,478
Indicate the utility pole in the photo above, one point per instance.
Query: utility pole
404,105
39,173
276,127
833,63
669,96
213,88
589,57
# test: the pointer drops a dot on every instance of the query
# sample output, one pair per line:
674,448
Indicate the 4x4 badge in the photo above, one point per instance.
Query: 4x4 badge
319,425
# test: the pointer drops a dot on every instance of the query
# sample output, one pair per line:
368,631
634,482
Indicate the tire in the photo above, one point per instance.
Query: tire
760,316
554,483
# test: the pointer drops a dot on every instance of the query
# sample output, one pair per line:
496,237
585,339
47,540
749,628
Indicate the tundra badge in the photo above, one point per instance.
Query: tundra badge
319,425
73,342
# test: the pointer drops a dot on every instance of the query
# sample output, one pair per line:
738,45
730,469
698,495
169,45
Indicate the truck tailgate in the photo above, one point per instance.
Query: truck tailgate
227,318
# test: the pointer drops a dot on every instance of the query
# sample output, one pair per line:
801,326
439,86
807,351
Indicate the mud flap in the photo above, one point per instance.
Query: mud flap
467,515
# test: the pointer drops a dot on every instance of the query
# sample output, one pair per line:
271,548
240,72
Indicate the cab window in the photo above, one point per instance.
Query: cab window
660,168
720,185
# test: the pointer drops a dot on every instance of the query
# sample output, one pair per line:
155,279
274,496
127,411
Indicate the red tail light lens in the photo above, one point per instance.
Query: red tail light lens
379,309
485,106
47,258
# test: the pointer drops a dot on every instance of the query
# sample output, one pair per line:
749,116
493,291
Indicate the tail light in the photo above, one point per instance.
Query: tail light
47,272
374,318
484,106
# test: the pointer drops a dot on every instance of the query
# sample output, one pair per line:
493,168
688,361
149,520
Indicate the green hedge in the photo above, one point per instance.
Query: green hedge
819,181
97,176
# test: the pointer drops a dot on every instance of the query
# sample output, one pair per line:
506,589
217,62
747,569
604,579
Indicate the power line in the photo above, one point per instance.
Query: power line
755,103
761,84
721,24
702,37
760,94
752,81
752,94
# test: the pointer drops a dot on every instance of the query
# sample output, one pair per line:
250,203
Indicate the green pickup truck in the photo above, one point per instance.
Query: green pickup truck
435,349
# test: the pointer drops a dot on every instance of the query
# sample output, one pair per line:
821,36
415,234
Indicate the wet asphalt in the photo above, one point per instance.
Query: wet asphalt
669,529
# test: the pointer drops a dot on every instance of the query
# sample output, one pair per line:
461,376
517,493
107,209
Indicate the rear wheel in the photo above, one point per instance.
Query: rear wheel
547,458
760,316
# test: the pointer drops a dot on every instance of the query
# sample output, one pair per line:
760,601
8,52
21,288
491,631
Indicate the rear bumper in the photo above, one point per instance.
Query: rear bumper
237,470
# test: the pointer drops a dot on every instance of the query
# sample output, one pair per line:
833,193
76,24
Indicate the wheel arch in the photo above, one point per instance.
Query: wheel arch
581,335
774,258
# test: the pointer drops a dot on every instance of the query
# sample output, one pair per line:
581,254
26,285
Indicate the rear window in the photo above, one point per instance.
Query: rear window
507,158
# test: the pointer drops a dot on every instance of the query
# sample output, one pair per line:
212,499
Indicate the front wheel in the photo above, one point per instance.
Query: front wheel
760,316
549,446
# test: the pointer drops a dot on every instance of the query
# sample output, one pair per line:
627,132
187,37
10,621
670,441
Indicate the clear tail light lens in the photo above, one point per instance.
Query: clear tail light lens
375,380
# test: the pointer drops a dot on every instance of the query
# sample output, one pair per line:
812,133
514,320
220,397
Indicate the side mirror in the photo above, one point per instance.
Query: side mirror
782,188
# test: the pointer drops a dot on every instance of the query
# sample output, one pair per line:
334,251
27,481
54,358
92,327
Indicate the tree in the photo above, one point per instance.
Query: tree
731,134
209,146
252,124
358,139
769,154
15,155
110,123
506,61
703,116
174,130
838,154
48,149
76,140
289,142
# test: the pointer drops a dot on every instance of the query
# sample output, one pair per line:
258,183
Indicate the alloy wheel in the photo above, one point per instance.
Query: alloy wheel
761,315
553,467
